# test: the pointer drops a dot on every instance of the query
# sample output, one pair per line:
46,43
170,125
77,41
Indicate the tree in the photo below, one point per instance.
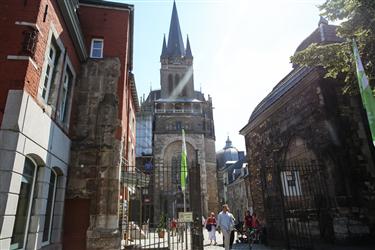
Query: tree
357,19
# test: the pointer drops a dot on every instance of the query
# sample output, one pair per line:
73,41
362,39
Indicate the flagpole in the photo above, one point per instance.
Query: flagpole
184,195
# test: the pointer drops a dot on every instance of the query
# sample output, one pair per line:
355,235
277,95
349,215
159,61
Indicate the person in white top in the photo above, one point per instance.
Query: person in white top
225,224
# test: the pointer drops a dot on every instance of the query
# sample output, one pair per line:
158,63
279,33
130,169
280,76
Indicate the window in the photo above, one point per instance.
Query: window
50,206
66,94
24,205
170,84
97,48
178,125
50,66
291,183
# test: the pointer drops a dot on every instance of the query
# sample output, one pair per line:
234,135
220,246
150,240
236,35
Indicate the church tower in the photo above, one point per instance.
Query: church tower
174,107
176,73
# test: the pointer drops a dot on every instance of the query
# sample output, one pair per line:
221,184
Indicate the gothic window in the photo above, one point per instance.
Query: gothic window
170,84
177,79
177,82
175,169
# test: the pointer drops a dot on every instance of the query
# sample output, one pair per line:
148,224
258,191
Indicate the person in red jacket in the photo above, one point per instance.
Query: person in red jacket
211,227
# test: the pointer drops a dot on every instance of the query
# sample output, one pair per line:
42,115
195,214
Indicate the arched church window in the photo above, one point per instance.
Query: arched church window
175,172
177,79
170,83
177,82
184,91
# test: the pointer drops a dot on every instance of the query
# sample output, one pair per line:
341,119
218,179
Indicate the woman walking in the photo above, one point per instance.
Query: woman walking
211,228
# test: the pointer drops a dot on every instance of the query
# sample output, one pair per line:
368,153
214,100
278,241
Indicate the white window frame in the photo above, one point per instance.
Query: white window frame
92,47
53,34
64,100
295,190
47,242
50,62
30,204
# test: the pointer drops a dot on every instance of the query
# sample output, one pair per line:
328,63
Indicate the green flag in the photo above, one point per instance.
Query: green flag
368,98
183,163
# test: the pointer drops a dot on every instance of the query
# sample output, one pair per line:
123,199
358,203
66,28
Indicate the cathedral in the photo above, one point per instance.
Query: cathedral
164,113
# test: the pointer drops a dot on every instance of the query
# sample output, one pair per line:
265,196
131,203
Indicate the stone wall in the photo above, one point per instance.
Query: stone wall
330,127
97,151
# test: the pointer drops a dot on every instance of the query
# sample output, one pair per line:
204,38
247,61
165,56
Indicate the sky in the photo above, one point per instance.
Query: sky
241,50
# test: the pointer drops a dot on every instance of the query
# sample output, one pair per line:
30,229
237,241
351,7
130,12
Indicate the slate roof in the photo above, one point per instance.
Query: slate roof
155,95
188,53
324,34
175,47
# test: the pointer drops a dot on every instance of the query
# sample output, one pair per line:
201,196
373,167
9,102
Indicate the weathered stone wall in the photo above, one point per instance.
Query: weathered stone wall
97,151
211,173
238,199
328,124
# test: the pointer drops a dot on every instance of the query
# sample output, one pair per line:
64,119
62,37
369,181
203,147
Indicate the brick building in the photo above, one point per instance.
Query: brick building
311,160
67,115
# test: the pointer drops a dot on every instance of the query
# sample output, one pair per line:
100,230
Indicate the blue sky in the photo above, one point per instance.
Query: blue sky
241,50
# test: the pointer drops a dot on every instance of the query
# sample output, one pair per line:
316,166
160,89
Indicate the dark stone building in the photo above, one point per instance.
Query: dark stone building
164,114
311,160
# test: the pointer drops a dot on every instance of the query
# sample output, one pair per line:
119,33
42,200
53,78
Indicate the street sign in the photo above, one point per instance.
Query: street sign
185,216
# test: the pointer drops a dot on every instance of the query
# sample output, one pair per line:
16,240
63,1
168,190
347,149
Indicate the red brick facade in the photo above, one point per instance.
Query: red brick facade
22,74
29,30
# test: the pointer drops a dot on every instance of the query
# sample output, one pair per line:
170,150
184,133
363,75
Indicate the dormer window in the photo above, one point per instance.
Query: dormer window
97,46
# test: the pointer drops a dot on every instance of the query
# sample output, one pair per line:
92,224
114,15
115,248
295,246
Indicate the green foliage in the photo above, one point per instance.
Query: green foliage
162,223
357,19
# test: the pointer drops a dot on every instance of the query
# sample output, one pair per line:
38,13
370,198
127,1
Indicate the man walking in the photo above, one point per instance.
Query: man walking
225,223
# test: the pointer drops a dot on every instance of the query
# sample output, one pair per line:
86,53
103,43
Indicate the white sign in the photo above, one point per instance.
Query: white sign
185,216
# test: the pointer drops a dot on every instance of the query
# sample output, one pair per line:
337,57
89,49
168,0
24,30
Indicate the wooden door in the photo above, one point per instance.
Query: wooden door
76,222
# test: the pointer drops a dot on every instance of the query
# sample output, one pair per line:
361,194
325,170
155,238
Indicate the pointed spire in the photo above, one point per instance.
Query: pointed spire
175,43
188,53
164,49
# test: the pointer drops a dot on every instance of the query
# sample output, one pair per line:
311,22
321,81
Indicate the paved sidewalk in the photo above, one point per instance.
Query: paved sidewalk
236,246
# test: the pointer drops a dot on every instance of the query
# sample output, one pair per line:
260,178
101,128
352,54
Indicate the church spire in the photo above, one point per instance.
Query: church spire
188,53
164,49
175,43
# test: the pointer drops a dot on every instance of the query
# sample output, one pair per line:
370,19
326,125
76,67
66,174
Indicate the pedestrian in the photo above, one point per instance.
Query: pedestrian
211,228
225,223
247,221
255,225
180,231
174,226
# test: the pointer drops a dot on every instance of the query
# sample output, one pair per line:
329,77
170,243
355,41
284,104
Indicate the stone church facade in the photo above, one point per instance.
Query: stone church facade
174,107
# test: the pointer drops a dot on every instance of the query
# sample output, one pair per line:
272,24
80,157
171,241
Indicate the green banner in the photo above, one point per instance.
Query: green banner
368,98
183,163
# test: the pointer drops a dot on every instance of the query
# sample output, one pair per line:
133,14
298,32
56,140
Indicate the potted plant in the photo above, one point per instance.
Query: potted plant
161,226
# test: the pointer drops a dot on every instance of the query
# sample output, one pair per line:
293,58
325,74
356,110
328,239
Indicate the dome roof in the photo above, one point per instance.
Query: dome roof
228,153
